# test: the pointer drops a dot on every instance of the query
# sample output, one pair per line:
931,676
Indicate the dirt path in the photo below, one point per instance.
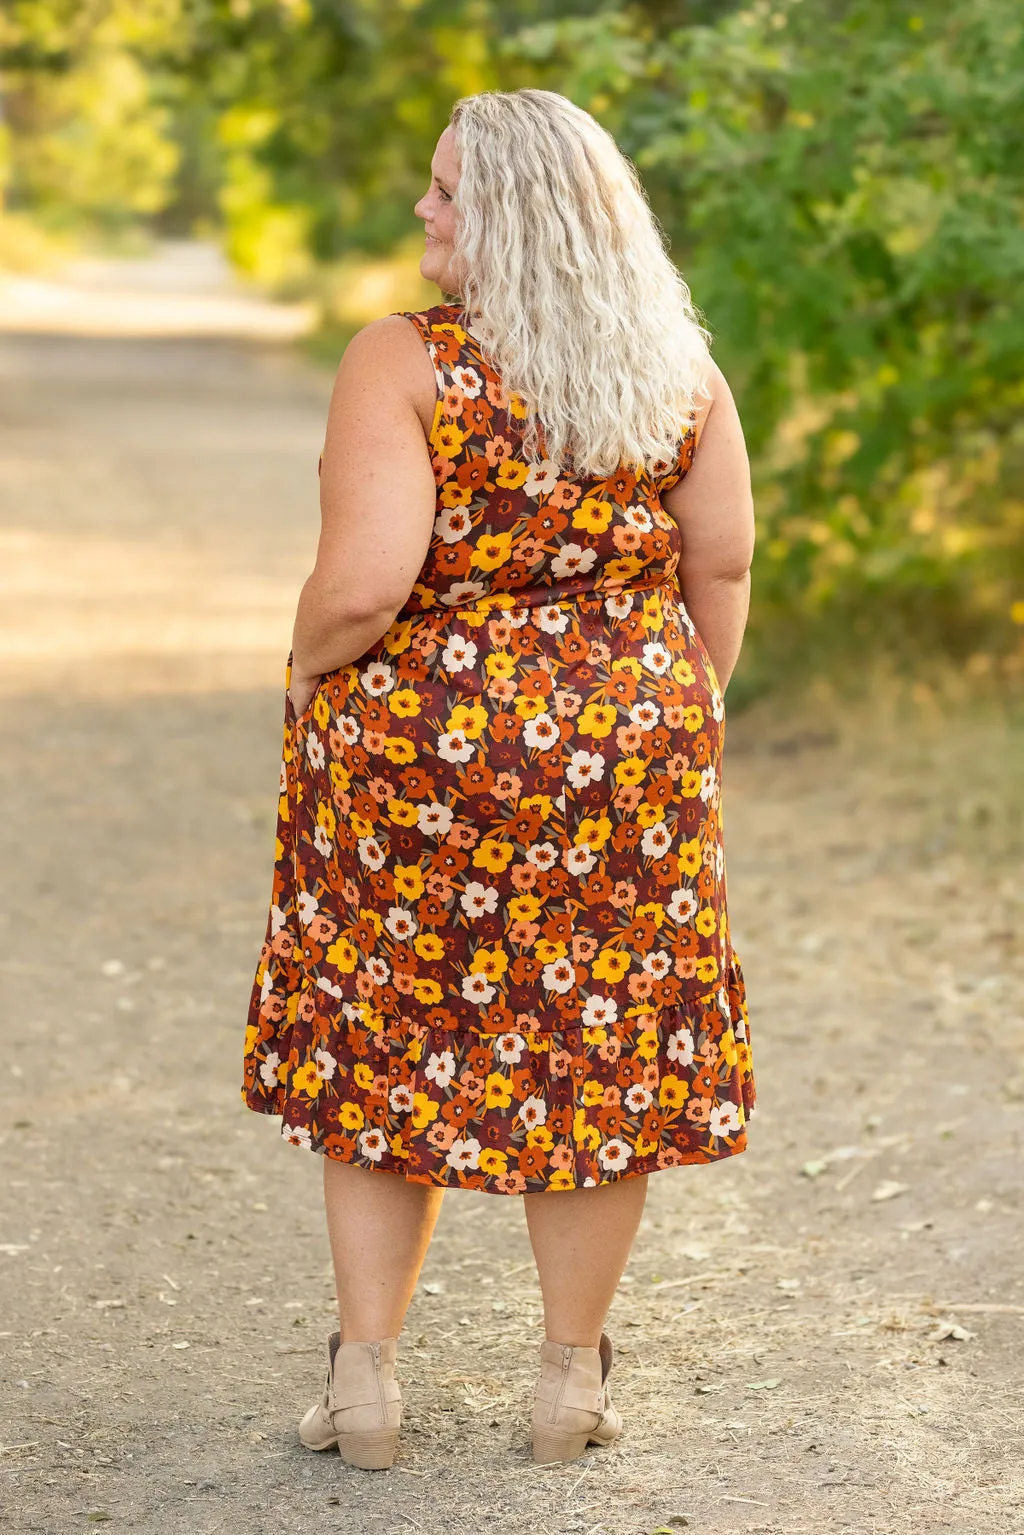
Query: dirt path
822,1335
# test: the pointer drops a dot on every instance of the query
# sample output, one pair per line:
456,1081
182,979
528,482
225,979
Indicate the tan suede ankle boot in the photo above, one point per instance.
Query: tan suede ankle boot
571,1403
360,1409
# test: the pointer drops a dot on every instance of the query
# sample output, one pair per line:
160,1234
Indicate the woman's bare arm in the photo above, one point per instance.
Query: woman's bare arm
377,501
714,508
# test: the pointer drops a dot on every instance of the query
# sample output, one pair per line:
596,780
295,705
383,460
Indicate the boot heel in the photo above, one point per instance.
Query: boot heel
549,1445
370,1449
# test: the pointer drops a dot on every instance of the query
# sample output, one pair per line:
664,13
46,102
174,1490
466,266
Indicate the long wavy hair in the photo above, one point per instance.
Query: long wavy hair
566,282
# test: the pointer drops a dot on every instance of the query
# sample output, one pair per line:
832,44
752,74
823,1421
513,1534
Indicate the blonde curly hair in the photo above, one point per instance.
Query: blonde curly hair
568,286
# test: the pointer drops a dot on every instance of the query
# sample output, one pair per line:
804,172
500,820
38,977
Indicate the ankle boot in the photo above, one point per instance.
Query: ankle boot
571,1403
360,1409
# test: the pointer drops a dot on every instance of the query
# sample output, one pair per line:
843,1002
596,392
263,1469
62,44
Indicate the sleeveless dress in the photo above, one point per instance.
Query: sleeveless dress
498,951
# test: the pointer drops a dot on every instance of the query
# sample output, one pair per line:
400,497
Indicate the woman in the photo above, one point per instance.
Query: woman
498,953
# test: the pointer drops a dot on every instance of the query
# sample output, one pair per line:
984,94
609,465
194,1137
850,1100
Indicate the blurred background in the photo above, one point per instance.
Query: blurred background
200,201
841,183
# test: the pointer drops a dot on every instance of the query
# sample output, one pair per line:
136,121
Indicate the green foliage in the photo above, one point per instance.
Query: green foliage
840,180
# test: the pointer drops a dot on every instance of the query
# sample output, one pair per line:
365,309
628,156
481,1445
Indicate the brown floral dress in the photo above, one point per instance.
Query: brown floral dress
498,951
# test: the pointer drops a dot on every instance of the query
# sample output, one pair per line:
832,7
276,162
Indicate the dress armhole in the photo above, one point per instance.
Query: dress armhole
423,325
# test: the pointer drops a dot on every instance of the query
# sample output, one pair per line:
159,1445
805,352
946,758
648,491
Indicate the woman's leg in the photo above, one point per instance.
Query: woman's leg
379,1226
581,1240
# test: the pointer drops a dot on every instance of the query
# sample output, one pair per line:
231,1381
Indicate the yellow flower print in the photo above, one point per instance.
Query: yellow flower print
376,921
644,1147
646,1046
596,720
584,1134
326,818
402,812
548,950
540,1136
707,969
455,495
627,664
408,881
497,1091
471,719
693,717
561,1178
397,637
493,856
404,702
491,962
689,859
360,825
321,711
449,441
362,1076
517,406
592,515
424,1110
511,474
593,1093
524,908
610,965
343,955
341,778
528,707
683,672
542,803
351,1116
727,1045
593,831
428,946
595,1036
650,815
494,1163
492,550
706,921
252,1033
630,770
621,569
397,749
651,911
689,785
306,1079
427,992
499,664
673,1092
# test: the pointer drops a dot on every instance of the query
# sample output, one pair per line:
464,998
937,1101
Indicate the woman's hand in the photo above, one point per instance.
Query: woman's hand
301,690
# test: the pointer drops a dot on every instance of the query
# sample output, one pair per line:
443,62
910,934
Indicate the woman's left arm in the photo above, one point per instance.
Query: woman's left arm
377,502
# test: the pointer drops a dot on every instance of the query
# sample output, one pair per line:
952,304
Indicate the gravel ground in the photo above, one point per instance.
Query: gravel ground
821,1335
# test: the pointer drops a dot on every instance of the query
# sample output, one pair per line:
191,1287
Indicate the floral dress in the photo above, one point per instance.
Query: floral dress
498,951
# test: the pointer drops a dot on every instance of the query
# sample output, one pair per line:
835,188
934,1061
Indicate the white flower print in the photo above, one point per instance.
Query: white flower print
725,1119
465,1152
297,1135
308,906
638,1098
708,780
378,970
462,592
683,906
510,1048
373,1144
559,975
315,752
657,965
378,678
656,658
679,1046
542,478
573,560
717,707
614,1154
400,1098
454,746
637,517
579,860
543,854
266,985
440,1068
656,840
401,924
277,919
477,988
323,984
533,1111
584,768
478,900
434,819
541,732
645,714
619,604
599,1012
321,841
326,1065
469,381
370,852
349,729
453,524
458,654
268,1069
551,619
